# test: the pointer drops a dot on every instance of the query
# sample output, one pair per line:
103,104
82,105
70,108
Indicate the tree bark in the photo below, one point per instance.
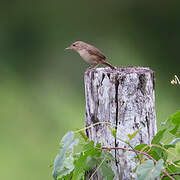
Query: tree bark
125,98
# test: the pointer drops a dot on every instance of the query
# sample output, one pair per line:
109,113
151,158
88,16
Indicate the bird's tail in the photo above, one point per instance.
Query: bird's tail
106,63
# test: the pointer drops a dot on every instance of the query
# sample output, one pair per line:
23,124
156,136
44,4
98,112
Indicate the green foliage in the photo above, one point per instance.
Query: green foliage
148,171
113,132
160,151
131,136
157,152
174,120
141,147
105,168
88,154
69,164
174,141
63,163
174,168
157,138
177,148
153,158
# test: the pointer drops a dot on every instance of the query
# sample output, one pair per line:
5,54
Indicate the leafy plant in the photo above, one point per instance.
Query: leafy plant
148,170
71,164
156,160
63,164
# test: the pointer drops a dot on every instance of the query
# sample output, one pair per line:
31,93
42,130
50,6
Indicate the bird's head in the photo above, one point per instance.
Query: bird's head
77,46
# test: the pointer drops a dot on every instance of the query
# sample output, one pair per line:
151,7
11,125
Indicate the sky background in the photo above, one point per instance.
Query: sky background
41,85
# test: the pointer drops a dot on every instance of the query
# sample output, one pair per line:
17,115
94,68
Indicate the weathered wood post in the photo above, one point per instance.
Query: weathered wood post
124,97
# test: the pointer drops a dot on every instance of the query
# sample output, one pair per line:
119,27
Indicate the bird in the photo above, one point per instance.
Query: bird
90,54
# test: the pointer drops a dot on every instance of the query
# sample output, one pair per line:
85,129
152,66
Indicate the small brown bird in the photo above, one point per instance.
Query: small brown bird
90,54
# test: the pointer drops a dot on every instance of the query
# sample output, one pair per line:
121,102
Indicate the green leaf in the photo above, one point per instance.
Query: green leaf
131,136
67,177
174,141
140,147
177,148
113,132
175,120
169,146
154,154
83,135
63,163
91,163
88,146
158,153
67,166
90,153
93,155
158,167
104,164
172,144
79,171
174,168
157,138
101,164
108,156
149,171
176,130
106,171
144,170
68,142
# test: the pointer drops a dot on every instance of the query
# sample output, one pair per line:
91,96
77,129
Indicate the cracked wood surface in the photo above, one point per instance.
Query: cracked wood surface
125,98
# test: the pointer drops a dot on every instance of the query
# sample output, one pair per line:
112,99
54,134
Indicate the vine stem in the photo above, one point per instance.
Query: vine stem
140,152
97,168
92,125
172,174
127,149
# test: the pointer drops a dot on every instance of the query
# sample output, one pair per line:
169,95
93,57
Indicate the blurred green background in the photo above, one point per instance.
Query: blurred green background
41,85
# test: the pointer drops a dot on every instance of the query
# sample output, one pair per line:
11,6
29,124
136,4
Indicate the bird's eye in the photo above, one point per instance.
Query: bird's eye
74,45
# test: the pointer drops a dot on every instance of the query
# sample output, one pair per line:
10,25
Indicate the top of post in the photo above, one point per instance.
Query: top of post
122,70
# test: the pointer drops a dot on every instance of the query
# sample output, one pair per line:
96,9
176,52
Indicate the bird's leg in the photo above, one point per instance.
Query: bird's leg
93,66
96,66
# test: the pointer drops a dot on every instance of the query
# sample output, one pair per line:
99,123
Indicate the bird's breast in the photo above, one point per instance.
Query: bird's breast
86,56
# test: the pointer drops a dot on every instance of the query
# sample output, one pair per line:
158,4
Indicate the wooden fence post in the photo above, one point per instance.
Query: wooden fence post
124,97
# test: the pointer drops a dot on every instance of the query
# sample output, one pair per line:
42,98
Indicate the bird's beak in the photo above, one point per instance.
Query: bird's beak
67,48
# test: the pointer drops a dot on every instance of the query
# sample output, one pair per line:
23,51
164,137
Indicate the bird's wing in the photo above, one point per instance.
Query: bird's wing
96,52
